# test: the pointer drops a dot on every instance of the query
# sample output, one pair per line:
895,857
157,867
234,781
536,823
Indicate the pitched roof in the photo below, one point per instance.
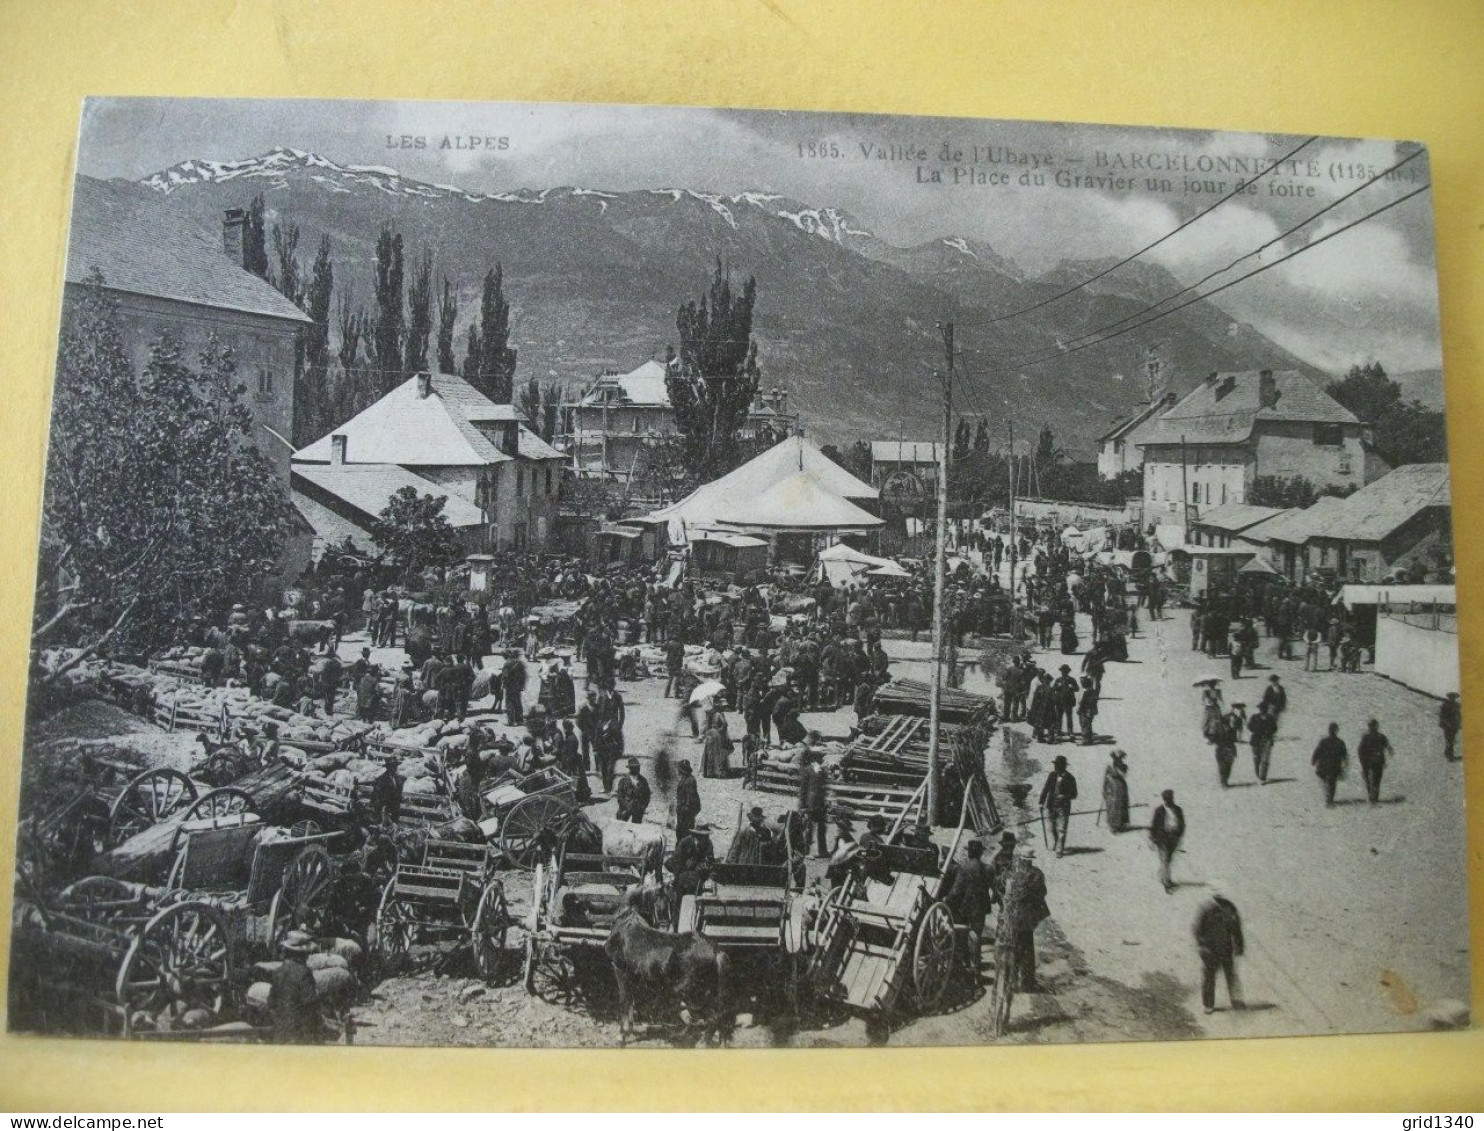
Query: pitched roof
1376,510
143,246
798,502
1237,516
908,451
1223,409
1126,424
368,486
739,489
644,386
1298,526
443,429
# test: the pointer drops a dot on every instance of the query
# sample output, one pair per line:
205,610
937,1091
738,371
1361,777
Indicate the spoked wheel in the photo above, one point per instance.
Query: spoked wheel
933,956
226,801
180,961
305,828
303,898
147,800
491,926
532,822
394,926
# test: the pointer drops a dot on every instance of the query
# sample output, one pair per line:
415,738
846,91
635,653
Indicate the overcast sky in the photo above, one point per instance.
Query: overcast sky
1369,293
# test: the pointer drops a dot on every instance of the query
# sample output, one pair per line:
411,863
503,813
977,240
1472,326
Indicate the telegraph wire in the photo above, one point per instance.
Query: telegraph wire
1241,185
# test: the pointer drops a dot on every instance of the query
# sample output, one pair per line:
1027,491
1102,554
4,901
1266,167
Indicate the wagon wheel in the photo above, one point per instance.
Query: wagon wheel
529,824
302,899
491,925
180,960
146,800
933,956
304,828
394,925
226,801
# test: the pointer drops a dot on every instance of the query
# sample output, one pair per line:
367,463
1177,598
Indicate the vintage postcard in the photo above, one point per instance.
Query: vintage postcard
560,575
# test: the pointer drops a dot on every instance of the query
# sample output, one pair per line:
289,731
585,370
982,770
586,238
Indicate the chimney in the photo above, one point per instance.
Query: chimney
424,384
1267,389
337,449
234,228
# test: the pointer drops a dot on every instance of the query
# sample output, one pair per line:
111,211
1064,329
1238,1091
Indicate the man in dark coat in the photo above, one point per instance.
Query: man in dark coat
1166,831
632,794
1087,709
969,897
1329,760
1450,721
513,677
1064,700
569,758
385,801
1374,746
1218,940
1262,728
293,1003
1275,698
1056,800
1042,716
687,800
814,798
691,862
750,845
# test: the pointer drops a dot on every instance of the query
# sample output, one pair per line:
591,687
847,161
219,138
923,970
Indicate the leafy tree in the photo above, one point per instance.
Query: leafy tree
1402,431
1282,491
494,372
963,440
981,437
530,402
286,278
312,394
713,381
391,326
419,314
254,239
856,459
413,530
158,507
470,370
448,315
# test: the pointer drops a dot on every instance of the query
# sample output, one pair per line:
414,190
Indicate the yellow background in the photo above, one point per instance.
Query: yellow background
1411,69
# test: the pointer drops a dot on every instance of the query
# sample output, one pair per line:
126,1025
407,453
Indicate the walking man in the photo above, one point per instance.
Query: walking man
1263,729
1329,760
1371,753
969,896
1450,720
632,794
1057,796
1166,831
1275,699
814,799
1218,940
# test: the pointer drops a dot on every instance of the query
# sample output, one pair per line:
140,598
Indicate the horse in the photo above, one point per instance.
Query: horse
685,967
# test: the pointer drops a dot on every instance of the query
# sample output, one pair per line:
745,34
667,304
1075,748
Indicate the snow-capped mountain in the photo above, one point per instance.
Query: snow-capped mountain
844,319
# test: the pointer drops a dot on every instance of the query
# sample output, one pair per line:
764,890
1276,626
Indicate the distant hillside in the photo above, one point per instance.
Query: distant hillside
1425,385
845,321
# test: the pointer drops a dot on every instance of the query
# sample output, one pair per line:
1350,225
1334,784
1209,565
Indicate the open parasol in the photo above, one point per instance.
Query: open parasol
706,690
1205,681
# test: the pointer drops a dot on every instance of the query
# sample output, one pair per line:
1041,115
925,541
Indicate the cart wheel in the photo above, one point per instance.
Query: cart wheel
225,801
394,925
181,959
933,956
305,828
303,896
146,800
491,925
530,822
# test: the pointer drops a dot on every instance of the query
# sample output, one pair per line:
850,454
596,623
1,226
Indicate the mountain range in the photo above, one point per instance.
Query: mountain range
845,321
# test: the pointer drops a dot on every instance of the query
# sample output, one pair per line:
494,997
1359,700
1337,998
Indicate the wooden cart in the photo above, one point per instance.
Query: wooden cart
451,894
574,899
529,813
749,906
886,933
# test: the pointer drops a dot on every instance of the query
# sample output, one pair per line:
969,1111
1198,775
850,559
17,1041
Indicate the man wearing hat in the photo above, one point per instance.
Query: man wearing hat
631,792
293,1003
969,897
1219,942
1450,721
1064,700
1057,795
513,679
1262,729
1166,830
814,800
999,867
385,800
691,862
687,799
750,844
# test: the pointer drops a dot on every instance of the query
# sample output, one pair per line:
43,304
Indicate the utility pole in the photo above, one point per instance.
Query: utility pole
1184,495
940,582
1010,476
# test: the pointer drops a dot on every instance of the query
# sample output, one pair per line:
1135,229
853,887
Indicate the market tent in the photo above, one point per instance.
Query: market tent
841,564
796,503
734,494
890,569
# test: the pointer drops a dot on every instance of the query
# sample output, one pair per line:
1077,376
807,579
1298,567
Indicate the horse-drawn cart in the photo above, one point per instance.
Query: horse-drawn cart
574,898
452,893
528,812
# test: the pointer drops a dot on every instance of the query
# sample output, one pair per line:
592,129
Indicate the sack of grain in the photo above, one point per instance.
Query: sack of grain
348,949
326,961
257,995
421,786
333,982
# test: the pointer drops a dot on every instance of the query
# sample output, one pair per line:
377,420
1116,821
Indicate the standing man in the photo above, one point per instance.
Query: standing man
814,798
293,1003
1057,796
674,665
1450,720
1329,760
1087,709
1065,701
632,794
1263,729
1166,831
687,801
969,897
1371,753
1275,699
1218,940
386,794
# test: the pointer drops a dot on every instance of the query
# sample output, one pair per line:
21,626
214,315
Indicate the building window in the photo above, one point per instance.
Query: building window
1223,494
1195,493
265,382
520,481
1328,435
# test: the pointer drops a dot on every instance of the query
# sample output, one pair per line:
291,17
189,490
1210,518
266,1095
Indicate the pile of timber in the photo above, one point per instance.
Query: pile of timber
914,697
857,800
